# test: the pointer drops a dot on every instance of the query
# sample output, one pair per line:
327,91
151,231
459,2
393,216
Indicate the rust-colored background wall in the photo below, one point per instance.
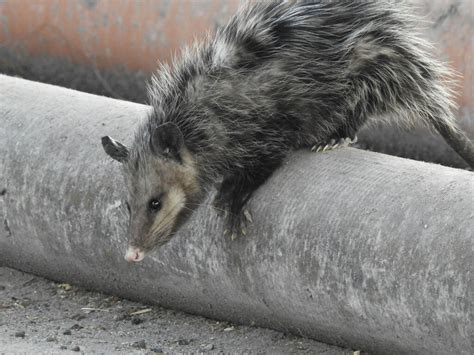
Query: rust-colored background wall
133,33
137,33
451,29
110,47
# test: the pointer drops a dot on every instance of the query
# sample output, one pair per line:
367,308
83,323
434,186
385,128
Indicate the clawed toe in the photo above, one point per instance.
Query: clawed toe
248,216
237,225
334,144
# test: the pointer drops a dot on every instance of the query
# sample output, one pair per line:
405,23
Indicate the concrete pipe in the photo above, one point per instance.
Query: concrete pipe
348,247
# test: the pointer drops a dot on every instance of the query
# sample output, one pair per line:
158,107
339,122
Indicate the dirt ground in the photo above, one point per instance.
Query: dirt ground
38,316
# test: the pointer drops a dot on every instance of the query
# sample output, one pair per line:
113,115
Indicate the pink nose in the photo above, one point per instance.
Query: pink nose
134,255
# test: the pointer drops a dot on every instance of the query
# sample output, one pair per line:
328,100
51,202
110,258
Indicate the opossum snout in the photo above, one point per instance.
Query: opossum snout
134,255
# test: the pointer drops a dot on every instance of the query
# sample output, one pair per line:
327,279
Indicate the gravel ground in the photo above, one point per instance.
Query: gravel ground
38,316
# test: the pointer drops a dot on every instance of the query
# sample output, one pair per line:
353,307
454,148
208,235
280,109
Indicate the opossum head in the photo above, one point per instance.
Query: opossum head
162,182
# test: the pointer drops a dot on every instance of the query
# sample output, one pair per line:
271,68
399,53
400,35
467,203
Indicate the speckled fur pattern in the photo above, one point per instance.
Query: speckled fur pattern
290,75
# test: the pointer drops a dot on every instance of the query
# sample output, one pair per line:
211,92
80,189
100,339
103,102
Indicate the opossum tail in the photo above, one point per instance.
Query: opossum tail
395,76
457,140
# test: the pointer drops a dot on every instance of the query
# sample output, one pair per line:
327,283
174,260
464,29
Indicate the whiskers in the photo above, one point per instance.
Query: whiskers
166,223
212,206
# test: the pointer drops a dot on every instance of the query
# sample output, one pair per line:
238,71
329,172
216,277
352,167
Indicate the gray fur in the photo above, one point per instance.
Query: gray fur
282,76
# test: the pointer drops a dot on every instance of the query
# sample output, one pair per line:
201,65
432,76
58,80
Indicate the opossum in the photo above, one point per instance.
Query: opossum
279,76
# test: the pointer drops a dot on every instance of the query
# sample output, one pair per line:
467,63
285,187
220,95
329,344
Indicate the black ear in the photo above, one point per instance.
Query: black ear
115,149
167,140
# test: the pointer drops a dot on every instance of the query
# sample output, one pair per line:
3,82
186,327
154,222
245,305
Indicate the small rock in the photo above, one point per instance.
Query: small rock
2,287
136,321
67,332
78,316
120,317
156,350
207,347
25,302
139,344
20,334
76,327
63,347
183,342
65,287
228,329
51,338
278,336
76,348
301,347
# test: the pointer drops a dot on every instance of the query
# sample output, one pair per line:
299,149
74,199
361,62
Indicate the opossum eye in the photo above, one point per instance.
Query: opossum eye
154,205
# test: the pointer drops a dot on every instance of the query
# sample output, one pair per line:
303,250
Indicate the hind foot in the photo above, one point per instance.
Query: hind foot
334,144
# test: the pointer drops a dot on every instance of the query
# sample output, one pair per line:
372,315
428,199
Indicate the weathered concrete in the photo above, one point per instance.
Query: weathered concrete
348,247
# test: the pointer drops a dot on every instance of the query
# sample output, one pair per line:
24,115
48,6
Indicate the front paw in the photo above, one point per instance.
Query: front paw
237,224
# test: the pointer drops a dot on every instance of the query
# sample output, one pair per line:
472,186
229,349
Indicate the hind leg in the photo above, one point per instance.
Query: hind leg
343,137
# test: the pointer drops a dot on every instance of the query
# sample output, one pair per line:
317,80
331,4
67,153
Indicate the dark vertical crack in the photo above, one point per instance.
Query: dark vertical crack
7,227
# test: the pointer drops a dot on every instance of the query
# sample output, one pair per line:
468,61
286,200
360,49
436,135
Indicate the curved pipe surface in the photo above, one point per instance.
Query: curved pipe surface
348,247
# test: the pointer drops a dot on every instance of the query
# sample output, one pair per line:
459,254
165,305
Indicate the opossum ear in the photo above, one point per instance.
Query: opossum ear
115,149
167,140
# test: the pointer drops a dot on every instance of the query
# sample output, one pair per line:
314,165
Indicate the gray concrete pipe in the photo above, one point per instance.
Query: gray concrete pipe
348,247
